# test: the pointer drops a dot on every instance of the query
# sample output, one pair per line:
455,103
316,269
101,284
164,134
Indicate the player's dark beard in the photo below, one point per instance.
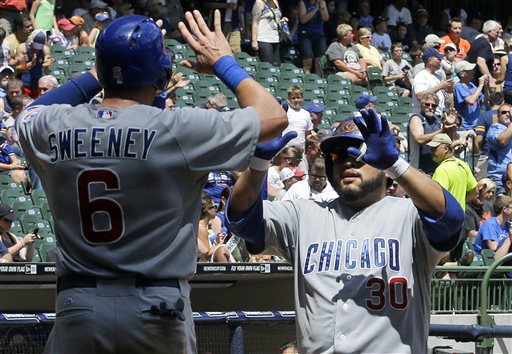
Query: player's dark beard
367,187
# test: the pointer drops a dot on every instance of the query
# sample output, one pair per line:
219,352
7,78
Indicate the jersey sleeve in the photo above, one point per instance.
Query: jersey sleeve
216,141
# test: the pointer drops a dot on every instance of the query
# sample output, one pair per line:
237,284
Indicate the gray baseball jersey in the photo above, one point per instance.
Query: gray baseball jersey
362,279
124,186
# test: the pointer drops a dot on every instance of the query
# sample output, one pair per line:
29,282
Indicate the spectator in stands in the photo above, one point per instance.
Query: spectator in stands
288,176
505,76
493,232
472,29
380,38
94,7
485,120
403,36
499,140
289,348
229,21
18,104
421,27
369,53
452,11
102,19
481,51
11,165
287,158
468,98
426,82
455,176
316,113
396,72
217,101
42,14
9,11
69,38
454,37
397,12
208,242
431,41
346,60
125,9
316,187
14,88
47,83
22,29
21,250
312,151
4,53
34,61
265,37
6,73
363,12
299,119
423,127
312,43
475,213
175,14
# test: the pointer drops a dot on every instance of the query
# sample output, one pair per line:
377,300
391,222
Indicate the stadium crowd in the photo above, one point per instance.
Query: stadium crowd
447,90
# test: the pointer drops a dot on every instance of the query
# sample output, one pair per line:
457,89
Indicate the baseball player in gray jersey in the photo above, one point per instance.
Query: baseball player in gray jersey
363,263
124,183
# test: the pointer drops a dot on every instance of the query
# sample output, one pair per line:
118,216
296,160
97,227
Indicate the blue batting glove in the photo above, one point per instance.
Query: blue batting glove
269,149
381,152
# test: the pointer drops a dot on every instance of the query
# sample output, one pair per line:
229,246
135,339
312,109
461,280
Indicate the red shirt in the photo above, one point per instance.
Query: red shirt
18,5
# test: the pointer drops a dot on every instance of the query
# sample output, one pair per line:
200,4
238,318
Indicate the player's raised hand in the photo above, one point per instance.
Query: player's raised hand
208,45
380,151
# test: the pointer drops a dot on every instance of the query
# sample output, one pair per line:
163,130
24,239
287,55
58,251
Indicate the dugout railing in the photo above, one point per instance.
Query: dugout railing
470,290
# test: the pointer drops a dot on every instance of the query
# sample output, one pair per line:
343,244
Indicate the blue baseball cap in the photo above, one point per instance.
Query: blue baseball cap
363,100
346,134
313,108
431,52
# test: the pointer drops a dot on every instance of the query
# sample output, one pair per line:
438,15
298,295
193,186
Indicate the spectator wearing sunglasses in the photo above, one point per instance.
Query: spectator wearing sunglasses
499,140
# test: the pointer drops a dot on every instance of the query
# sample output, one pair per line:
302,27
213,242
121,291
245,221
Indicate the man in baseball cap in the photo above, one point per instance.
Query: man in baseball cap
344,228
316,113
433,40
365,101
6,212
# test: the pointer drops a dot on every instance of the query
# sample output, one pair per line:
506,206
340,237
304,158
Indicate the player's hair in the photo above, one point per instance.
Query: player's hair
53,80
490,25
342,30
429,96
295,90
496,98
501,202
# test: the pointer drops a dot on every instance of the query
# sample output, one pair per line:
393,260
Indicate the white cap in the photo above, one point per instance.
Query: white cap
463,65
6,67
432,38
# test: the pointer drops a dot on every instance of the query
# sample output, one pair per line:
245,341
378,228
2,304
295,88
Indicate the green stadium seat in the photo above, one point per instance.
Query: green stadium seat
16,228
346,110
291,79
385,91
374,75
38,196
45,250
400,115
267,67
30,222
334,99
245,57
6,182
11,195
338,80
87,59
311,98
85,50
326,66
21,207
201,95
78,68
185,101
405,101
45,211
291,68
359,90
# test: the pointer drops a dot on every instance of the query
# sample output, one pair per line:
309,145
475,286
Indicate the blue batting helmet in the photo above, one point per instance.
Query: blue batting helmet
130,51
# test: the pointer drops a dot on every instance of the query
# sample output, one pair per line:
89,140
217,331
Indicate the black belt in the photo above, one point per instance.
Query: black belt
71,281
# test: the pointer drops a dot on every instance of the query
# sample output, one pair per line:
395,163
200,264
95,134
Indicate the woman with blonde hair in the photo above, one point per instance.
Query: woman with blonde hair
369,53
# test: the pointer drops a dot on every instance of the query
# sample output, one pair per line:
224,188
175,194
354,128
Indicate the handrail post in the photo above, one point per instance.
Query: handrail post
484,318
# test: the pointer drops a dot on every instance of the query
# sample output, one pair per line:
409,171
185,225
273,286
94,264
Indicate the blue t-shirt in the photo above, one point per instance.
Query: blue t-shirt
499,156
5,152
3,249
469,112
484,122
490,230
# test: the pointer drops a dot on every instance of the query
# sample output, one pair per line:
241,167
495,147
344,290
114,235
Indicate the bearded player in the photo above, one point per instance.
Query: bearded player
124,183
363,262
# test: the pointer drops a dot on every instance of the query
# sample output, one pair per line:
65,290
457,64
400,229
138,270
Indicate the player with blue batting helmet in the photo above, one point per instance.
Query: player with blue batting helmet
130,51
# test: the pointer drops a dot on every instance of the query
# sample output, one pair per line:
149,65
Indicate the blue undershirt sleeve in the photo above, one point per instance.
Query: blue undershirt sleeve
444,233
250,227
74,92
